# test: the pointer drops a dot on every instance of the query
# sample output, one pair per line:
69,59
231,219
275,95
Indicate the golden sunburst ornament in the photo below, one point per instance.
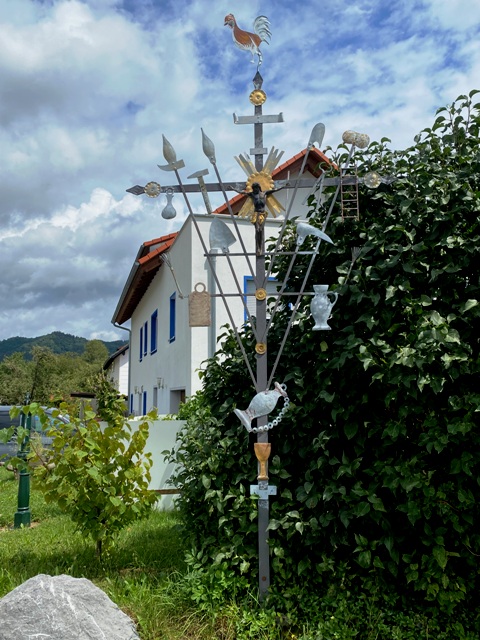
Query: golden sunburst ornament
264,179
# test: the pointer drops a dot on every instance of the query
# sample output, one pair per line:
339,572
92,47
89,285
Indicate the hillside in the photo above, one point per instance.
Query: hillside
57,342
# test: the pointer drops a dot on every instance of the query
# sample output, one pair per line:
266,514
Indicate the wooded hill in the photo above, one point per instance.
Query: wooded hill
57,342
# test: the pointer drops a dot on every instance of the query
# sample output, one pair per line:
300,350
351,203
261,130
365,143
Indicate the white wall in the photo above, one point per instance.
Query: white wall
171,361
162,437
118,373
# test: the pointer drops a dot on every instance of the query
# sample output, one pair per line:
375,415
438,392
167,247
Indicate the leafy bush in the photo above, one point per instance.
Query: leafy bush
98,475
377,462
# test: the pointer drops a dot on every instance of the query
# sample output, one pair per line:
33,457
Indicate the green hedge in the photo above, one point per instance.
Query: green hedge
377,461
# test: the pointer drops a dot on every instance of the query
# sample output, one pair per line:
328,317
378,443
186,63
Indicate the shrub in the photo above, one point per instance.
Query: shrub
377,462
98,475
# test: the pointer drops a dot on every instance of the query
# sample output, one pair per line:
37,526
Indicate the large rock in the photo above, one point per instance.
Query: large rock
62,608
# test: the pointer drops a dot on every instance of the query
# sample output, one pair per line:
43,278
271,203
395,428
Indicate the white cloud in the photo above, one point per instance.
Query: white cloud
88,87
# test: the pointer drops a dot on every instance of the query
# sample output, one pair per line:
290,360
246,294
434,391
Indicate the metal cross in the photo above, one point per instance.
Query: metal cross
260,378
257,97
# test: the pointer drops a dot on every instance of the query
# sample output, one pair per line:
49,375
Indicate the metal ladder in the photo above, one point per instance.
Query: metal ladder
349,192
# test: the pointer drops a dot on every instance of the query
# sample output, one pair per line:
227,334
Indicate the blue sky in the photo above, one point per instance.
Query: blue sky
88,87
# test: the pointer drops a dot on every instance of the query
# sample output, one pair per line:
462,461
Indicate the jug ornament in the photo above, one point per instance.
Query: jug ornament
321,306
261,405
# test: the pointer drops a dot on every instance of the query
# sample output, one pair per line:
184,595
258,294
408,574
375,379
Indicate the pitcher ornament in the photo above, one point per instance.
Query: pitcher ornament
321,306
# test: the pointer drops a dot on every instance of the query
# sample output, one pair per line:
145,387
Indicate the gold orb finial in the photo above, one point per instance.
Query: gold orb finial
258,97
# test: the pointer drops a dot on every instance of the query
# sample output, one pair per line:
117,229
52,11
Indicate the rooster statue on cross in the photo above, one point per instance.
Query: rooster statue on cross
250,41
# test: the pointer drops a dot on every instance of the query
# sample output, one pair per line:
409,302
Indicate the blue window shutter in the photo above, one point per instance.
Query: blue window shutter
131,403
144,403
153,331
172,316
141,343
145,338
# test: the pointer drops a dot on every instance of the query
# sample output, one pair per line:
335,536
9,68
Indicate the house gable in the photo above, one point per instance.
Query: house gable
148,262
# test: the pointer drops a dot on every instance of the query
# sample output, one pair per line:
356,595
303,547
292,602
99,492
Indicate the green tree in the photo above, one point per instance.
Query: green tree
48,376
15,379
377,462
97,474
95,352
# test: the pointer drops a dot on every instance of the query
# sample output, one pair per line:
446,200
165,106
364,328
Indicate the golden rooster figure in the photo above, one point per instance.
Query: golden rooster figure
250,41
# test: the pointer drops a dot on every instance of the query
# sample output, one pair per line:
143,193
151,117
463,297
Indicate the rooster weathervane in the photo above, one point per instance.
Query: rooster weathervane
250,41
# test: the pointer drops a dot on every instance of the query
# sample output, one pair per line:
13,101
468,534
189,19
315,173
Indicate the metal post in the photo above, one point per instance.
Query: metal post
262,438
22,515
262,375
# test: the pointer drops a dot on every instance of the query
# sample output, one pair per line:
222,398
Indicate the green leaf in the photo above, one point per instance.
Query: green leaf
440,555
351,430
364,558
344,517
361,509
303,565
469,304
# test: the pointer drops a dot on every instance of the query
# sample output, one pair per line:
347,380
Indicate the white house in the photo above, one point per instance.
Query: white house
116,367
165,351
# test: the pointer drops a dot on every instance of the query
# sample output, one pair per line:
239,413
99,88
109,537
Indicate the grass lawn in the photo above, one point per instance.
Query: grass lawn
145,576
142,575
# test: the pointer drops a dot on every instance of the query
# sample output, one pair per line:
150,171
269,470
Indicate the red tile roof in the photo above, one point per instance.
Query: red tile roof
146,265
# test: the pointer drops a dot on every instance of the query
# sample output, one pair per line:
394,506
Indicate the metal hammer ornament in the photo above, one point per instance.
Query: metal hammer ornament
201,182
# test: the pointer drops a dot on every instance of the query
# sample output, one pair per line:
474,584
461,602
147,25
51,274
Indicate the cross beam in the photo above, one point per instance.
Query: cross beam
301,183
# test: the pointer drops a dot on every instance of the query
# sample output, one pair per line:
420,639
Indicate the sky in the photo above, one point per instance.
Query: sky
88,87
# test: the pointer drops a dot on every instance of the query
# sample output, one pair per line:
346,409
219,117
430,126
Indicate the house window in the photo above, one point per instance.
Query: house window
145,338
153,331
250,300
131,403
141,343
172,316
144,403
